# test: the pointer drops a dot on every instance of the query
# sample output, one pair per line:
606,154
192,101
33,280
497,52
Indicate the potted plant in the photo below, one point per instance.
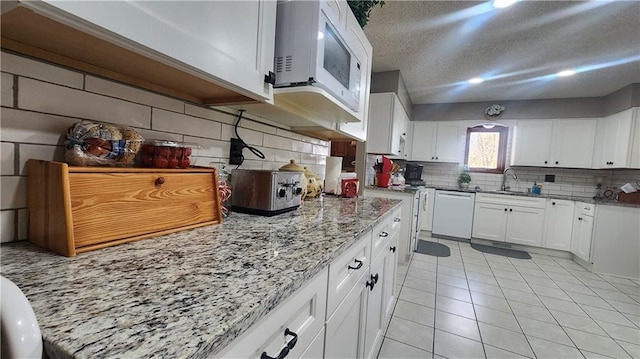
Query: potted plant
464,179
362,8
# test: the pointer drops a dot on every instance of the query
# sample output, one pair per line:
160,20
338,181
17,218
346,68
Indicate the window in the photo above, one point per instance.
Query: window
486,149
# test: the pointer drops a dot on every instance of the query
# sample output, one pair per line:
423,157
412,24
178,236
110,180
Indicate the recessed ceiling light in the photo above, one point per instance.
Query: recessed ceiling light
501,4
476,80
566,73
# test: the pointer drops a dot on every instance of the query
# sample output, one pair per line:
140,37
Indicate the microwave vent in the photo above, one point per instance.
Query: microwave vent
284,64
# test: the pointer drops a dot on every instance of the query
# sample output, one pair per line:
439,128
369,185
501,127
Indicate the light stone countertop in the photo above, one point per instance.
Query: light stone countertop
412,189
187,294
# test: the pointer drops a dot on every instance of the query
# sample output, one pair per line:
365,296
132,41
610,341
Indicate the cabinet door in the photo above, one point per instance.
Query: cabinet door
397,126
634,161
489,221
315,350
423,141
227,42
525,226
389,283
375,306
345,329
616,140
559,224
532,143
581,239
573,143
447,142
381,108
363,50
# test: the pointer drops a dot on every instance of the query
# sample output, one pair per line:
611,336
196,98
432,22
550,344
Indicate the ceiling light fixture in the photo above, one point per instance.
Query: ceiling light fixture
476,80
566,73
501,4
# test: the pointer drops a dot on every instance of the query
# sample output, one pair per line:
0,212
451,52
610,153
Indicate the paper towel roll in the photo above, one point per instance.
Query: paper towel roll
332,175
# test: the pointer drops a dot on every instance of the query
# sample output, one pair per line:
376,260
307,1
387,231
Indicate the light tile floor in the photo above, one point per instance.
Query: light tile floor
476,305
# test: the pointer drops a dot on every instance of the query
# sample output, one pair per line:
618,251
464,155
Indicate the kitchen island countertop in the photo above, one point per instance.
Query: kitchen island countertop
187,294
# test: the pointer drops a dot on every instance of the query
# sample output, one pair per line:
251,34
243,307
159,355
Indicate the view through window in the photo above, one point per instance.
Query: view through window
486,149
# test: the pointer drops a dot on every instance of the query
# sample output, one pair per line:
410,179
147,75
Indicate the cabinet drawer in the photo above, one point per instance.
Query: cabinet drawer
586,209
380,236
303,313
77,209
345,270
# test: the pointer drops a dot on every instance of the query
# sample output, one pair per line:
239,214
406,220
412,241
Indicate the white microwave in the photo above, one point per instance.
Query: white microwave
311,50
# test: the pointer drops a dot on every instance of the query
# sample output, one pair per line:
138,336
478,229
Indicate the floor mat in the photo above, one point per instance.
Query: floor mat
501,251
433,249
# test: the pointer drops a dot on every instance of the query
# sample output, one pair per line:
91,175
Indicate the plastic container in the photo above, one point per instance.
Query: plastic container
166,154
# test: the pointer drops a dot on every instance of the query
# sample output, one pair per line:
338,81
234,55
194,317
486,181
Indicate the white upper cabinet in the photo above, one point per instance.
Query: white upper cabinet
435,141
532,143
226,43
554,143
613,144
387,125
634,162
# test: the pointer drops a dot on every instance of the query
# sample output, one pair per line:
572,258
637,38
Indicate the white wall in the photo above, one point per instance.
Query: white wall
39,102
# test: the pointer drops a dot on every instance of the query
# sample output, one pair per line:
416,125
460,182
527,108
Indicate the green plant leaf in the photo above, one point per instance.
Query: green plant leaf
362,9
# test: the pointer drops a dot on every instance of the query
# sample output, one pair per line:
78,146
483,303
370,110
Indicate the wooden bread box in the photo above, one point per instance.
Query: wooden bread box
78,209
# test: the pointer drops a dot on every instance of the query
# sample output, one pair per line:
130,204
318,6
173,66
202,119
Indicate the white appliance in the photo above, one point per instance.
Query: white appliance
311,50
453,214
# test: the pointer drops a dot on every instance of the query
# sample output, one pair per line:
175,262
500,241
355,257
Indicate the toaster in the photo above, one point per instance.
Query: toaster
265,192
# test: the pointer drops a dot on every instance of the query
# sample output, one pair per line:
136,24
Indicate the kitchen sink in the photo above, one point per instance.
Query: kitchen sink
509,192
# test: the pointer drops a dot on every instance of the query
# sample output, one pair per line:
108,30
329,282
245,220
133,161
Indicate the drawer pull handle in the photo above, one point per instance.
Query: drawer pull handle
358,264
396,220
392,249
159,181
383,234
285,351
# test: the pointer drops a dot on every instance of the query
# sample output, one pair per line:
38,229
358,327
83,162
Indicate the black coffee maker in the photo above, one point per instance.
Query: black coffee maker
413,174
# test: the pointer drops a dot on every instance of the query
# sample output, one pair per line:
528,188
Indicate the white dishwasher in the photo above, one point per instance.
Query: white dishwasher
453,214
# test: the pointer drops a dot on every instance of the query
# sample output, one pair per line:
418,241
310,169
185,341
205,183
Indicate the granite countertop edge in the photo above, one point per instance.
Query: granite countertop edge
211,342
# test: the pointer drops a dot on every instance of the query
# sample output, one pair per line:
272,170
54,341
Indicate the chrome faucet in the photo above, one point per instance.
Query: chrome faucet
504,186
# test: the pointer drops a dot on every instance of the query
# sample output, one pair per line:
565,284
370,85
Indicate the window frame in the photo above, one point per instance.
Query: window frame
502,148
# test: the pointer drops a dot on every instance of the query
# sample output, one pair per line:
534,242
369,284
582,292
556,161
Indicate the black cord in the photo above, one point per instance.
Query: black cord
253,150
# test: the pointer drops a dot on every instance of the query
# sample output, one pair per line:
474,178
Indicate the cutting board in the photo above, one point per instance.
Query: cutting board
633,198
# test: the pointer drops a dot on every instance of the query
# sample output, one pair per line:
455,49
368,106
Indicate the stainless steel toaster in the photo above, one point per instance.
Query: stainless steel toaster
265,192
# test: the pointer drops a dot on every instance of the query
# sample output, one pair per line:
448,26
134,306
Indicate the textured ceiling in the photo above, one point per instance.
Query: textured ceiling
439,45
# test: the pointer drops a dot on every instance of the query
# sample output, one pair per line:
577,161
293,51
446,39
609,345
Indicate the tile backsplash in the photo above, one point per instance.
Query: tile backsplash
568,181
41,101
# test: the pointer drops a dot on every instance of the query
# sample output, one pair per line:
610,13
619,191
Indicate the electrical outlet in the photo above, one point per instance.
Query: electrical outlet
235,152
549,178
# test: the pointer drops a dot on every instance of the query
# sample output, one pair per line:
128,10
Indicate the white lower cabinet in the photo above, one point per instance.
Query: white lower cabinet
559,224
389,283
315,350
346,327
303,313
341,313
507,218
582,231
375,306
